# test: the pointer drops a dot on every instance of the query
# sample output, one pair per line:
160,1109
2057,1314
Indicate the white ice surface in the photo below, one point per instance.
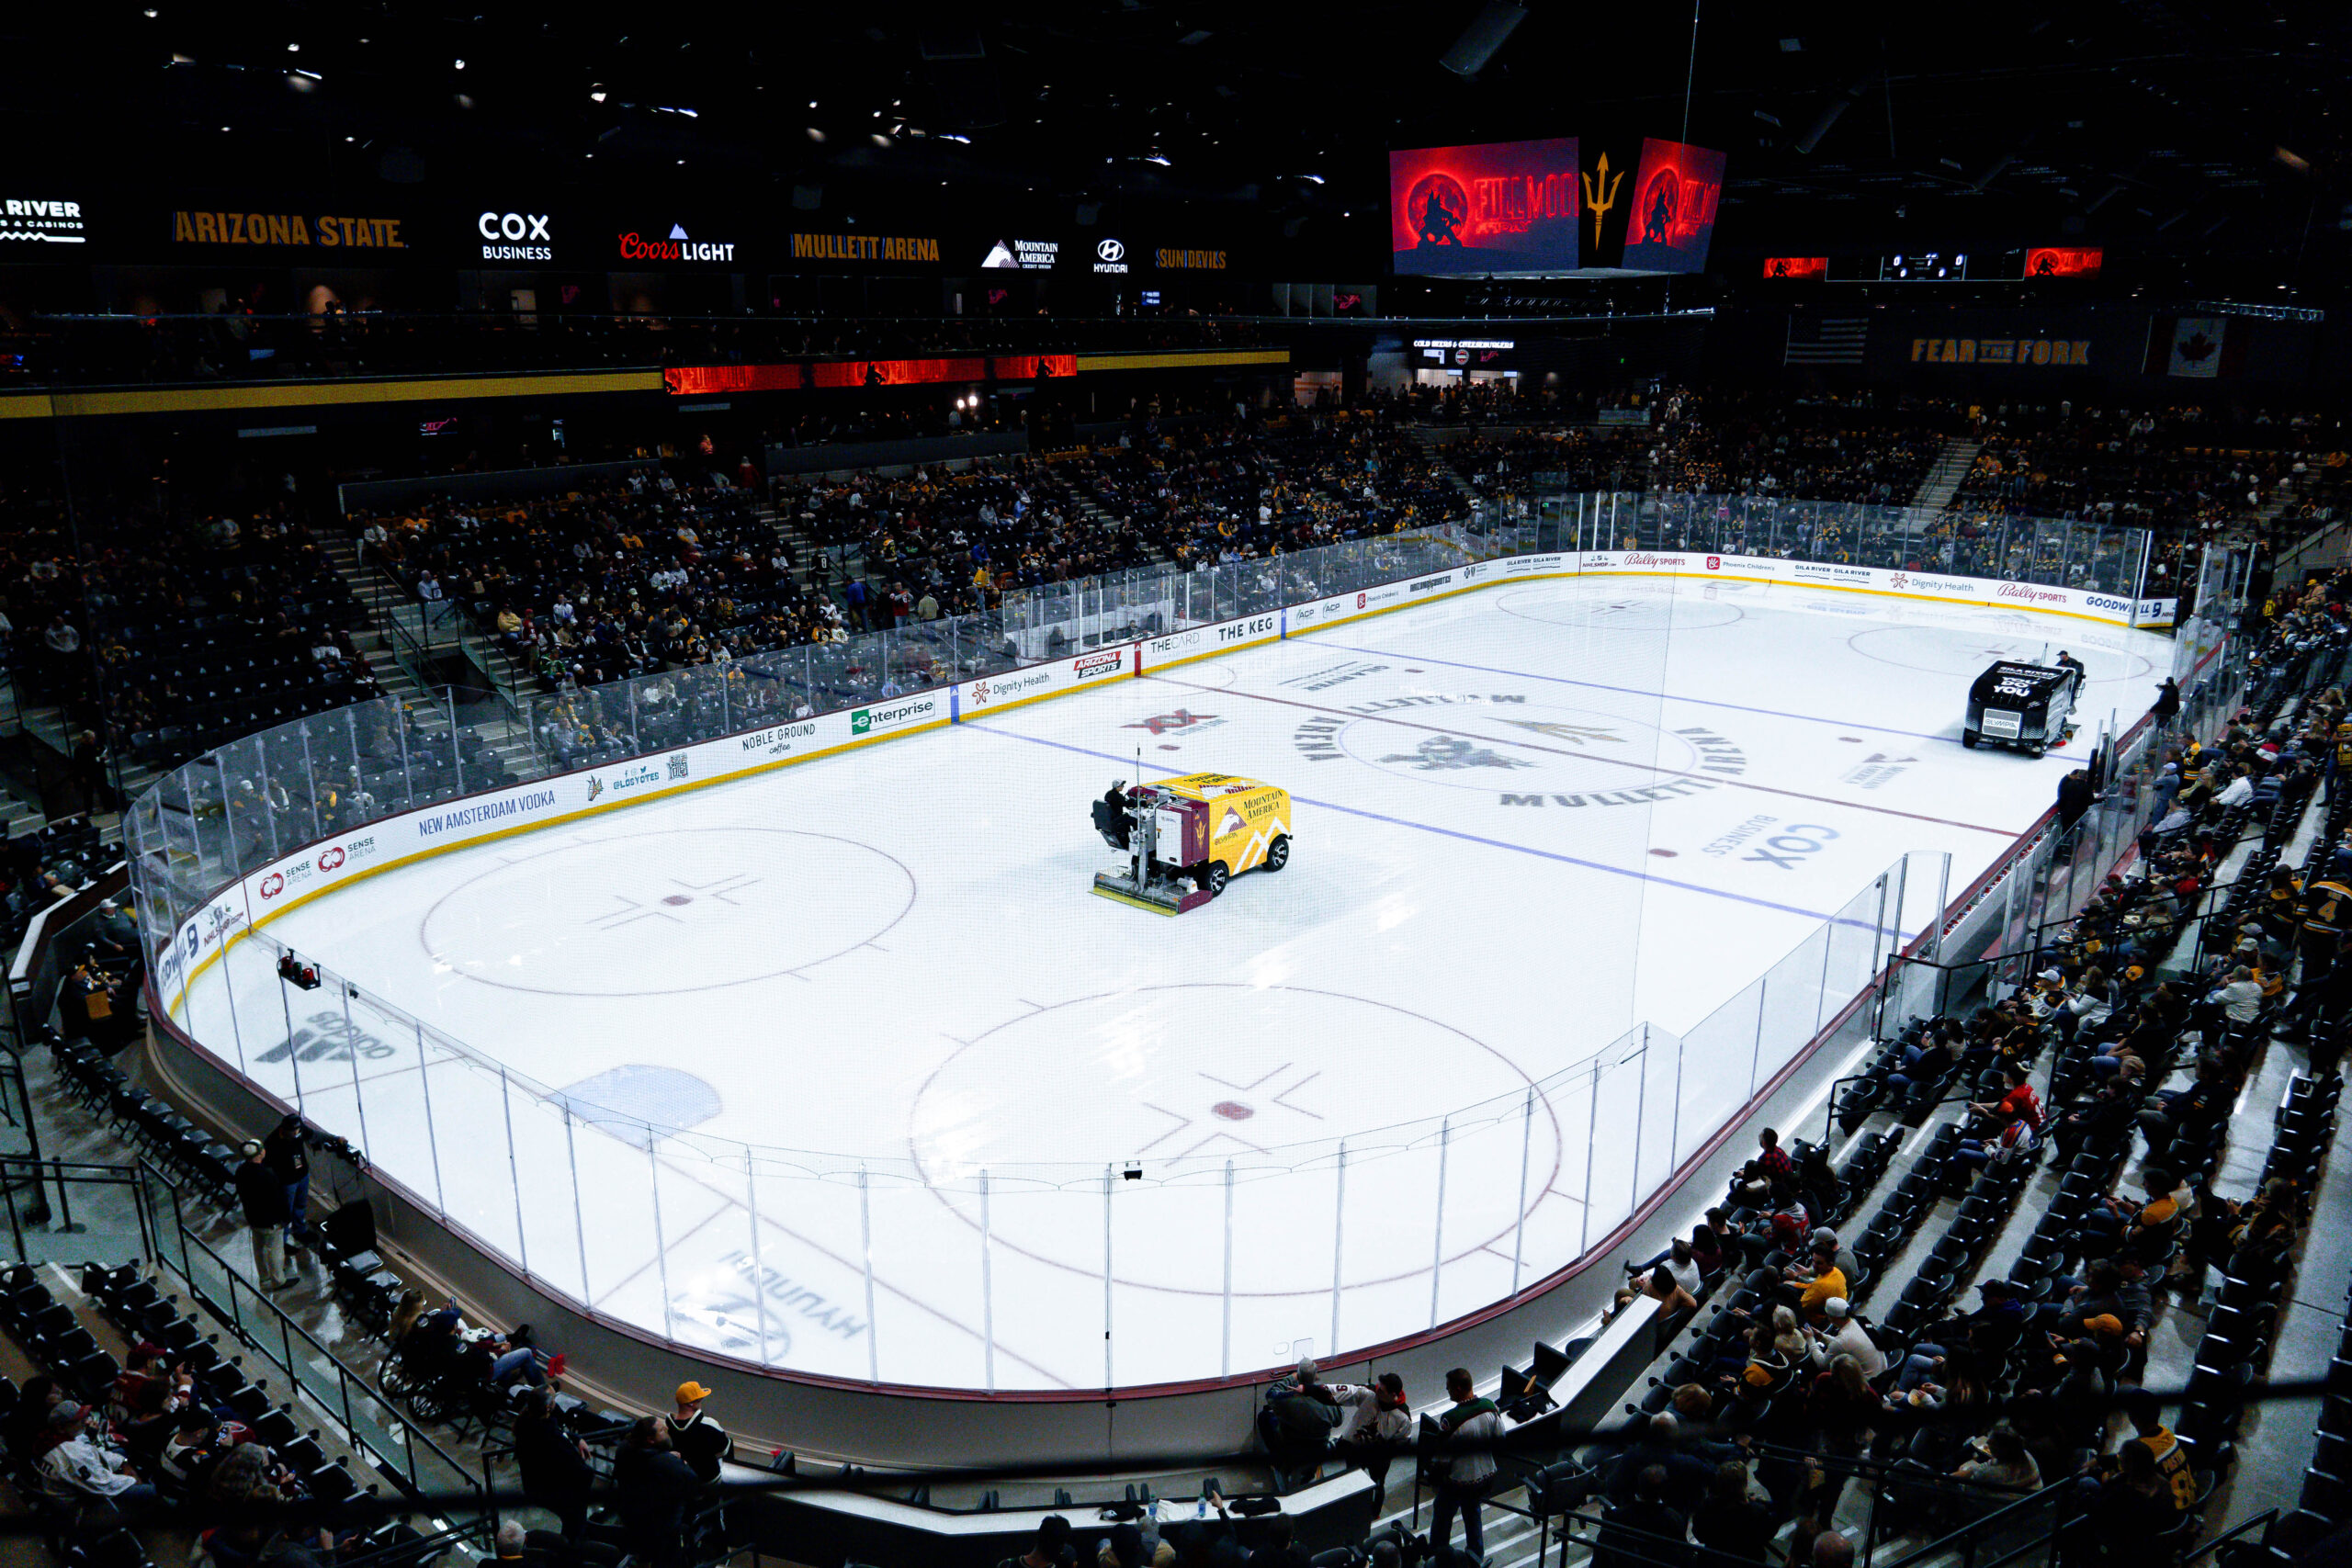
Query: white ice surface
1527,820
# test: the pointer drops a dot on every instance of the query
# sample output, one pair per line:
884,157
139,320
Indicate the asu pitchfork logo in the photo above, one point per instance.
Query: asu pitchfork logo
1600,194
1161,724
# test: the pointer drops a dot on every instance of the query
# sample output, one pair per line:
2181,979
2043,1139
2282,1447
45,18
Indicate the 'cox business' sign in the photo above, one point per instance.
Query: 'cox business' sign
515,236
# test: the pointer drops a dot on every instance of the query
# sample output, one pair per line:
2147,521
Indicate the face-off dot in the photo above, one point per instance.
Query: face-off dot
1232,1110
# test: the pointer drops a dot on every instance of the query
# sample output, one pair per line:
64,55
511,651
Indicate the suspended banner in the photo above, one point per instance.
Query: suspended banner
705,380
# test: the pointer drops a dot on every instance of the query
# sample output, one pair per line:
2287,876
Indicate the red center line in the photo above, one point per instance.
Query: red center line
2003,833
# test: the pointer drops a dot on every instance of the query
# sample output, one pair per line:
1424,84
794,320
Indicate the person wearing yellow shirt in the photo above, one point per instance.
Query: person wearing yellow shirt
1826,1284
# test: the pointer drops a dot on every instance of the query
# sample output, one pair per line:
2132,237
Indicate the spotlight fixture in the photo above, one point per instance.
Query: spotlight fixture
1487,32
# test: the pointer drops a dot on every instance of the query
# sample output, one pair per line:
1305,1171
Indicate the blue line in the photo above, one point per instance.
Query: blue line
1631,692
1448,832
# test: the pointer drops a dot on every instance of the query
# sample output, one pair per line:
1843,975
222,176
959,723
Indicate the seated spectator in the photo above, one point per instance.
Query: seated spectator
1999,1460
1730,1522
1643,1528
1673,1277
1844,1408
553,1464
2018,1102
2015,1142
1843,1335
652,1488
82,1468
1925,1063
187,1457
2131,1511
1051,1549
1814,1284
2115,1226
2234,1004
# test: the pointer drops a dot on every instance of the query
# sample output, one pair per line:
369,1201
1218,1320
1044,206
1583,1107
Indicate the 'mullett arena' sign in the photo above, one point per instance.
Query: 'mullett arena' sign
864,247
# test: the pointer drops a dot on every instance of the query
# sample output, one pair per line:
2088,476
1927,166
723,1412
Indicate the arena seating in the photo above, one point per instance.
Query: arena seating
1950,1217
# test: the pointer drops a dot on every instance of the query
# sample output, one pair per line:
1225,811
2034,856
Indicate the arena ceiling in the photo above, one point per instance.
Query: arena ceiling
2163,123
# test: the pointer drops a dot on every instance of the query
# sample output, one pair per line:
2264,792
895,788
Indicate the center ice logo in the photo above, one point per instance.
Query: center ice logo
1551,756
1575,733
1441,753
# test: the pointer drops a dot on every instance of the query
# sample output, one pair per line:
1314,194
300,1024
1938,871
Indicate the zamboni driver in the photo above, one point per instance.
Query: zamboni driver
2068,661
1111,814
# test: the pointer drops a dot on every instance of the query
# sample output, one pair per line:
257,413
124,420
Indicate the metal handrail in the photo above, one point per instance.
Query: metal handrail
411,1435
2262,1520
1962,1538
64,1174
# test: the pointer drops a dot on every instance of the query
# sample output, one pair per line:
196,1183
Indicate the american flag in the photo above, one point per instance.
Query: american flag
1816,340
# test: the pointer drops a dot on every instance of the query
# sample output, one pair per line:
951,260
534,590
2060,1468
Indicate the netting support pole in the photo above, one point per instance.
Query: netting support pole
866,1250
1821,992
1224,1351
1519,1232
1109,1176
514,1173
351,1038
1756,1052
1591,1135
988,1299
311,776
293,1046
1641,1120
661,1243
1338,1240
1674,1126
432,1138
759,1272
1437,1231
578,1220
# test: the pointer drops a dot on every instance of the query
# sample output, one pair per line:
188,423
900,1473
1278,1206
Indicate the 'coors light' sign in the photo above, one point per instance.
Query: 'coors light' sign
677,246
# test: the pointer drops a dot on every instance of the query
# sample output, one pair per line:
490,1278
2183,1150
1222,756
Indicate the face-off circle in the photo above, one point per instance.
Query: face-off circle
1965,650
1175,1080
1631,608
618,916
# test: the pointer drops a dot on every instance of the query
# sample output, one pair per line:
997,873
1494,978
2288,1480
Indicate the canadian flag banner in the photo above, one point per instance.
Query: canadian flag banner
2197,346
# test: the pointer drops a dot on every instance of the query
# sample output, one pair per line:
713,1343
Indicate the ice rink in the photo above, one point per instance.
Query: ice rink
1529,821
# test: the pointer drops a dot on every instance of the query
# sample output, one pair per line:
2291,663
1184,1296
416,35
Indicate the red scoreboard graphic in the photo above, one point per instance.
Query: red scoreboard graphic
2050,261
1676,192
1815,268
1500,208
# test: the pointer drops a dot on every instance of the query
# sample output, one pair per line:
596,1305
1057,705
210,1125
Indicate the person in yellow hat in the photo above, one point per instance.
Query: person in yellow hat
702,1442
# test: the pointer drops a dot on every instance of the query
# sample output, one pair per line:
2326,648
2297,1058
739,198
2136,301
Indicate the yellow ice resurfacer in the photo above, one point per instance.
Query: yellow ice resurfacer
1186,839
